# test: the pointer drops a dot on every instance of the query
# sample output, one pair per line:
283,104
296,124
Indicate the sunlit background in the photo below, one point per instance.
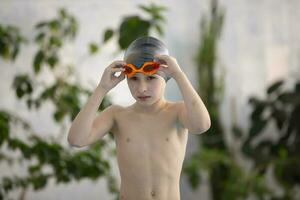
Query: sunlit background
258,45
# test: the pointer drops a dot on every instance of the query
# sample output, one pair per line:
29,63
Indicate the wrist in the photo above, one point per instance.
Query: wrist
178,75
102,88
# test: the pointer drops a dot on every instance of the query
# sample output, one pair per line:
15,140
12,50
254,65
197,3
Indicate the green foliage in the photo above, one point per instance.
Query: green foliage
50,37
134,26
64,163
10,42
43,153
228,178
210,86
4,127
281,108
130,28
218,161
93,48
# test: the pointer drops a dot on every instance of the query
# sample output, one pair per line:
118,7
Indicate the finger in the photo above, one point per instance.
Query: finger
117,64
161,56
117,69
122,76
161,60
162,65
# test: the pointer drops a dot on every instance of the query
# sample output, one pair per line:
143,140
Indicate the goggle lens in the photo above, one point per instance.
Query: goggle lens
148,68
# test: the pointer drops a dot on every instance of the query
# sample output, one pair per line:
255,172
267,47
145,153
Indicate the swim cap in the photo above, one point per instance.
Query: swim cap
143,49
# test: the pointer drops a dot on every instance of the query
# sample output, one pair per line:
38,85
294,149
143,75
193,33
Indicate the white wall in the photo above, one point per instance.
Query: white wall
259,44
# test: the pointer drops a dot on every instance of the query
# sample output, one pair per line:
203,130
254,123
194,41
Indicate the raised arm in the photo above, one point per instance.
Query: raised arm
87,128
192,112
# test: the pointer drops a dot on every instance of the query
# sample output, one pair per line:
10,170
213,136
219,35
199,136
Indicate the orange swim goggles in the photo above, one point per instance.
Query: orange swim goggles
148,68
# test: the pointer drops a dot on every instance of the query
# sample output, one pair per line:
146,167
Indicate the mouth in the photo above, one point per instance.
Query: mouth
144,97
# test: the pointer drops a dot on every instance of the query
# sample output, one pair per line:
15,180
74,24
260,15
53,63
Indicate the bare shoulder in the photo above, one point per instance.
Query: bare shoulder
177,106
116,109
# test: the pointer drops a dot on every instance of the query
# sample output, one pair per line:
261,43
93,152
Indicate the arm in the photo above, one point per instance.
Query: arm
86,127
192,112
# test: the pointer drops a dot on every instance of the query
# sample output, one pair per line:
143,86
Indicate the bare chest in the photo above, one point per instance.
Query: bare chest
145,127
149,134
149,146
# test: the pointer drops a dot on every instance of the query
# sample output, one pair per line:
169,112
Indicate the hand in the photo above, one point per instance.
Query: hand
109,80
168,65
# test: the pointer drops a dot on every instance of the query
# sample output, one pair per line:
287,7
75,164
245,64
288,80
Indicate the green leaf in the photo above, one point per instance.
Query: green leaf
280,117
58,115
93,48
38,182
40,25
256,127
131,28
152,9
159,29
40,37
55,41
4,126
289,98
38,60
52,60
34,169
54,25
63,13
23,85
7,184
108,35
273,88
259,108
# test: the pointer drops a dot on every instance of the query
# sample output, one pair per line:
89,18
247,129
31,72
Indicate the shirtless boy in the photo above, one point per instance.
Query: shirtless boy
151,134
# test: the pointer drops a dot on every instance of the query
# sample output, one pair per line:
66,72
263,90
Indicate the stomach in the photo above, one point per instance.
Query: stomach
150,168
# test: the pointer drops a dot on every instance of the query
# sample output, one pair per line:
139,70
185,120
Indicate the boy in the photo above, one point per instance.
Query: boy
151,134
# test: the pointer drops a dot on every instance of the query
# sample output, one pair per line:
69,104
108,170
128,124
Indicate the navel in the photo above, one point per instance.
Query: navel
153,193
167,139
128,140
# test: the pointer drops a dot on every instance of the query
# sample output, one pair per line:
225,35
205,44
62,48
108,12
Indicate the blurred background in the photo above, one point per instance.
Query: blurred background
241,56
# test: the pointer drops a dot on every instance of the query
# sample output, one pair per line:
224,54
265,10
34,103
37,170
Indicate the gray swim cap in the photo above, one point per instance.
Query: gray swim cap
143,49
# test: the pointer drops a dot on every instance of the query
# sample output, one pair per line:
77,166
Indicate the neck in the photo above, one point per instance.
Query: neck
153,108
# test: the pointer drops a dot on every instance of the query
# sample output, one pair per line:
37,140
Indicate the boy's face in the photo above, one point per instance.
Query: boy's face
152,87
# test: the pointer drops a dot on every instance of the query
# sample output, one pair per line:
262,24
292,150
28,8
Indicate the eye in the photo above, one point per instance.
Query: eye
151,77
133,78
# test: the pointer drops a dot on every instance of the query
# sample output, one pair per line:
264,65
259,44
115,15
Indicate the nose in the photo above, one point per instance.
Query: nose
142,87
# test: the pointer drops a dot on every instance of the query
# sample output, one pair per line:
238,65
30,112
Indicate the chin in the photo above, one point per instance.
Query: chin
146,102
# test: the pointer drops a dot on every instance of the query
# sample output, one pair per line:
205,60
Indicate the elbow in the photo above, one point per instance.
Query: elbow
204,126
72,142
